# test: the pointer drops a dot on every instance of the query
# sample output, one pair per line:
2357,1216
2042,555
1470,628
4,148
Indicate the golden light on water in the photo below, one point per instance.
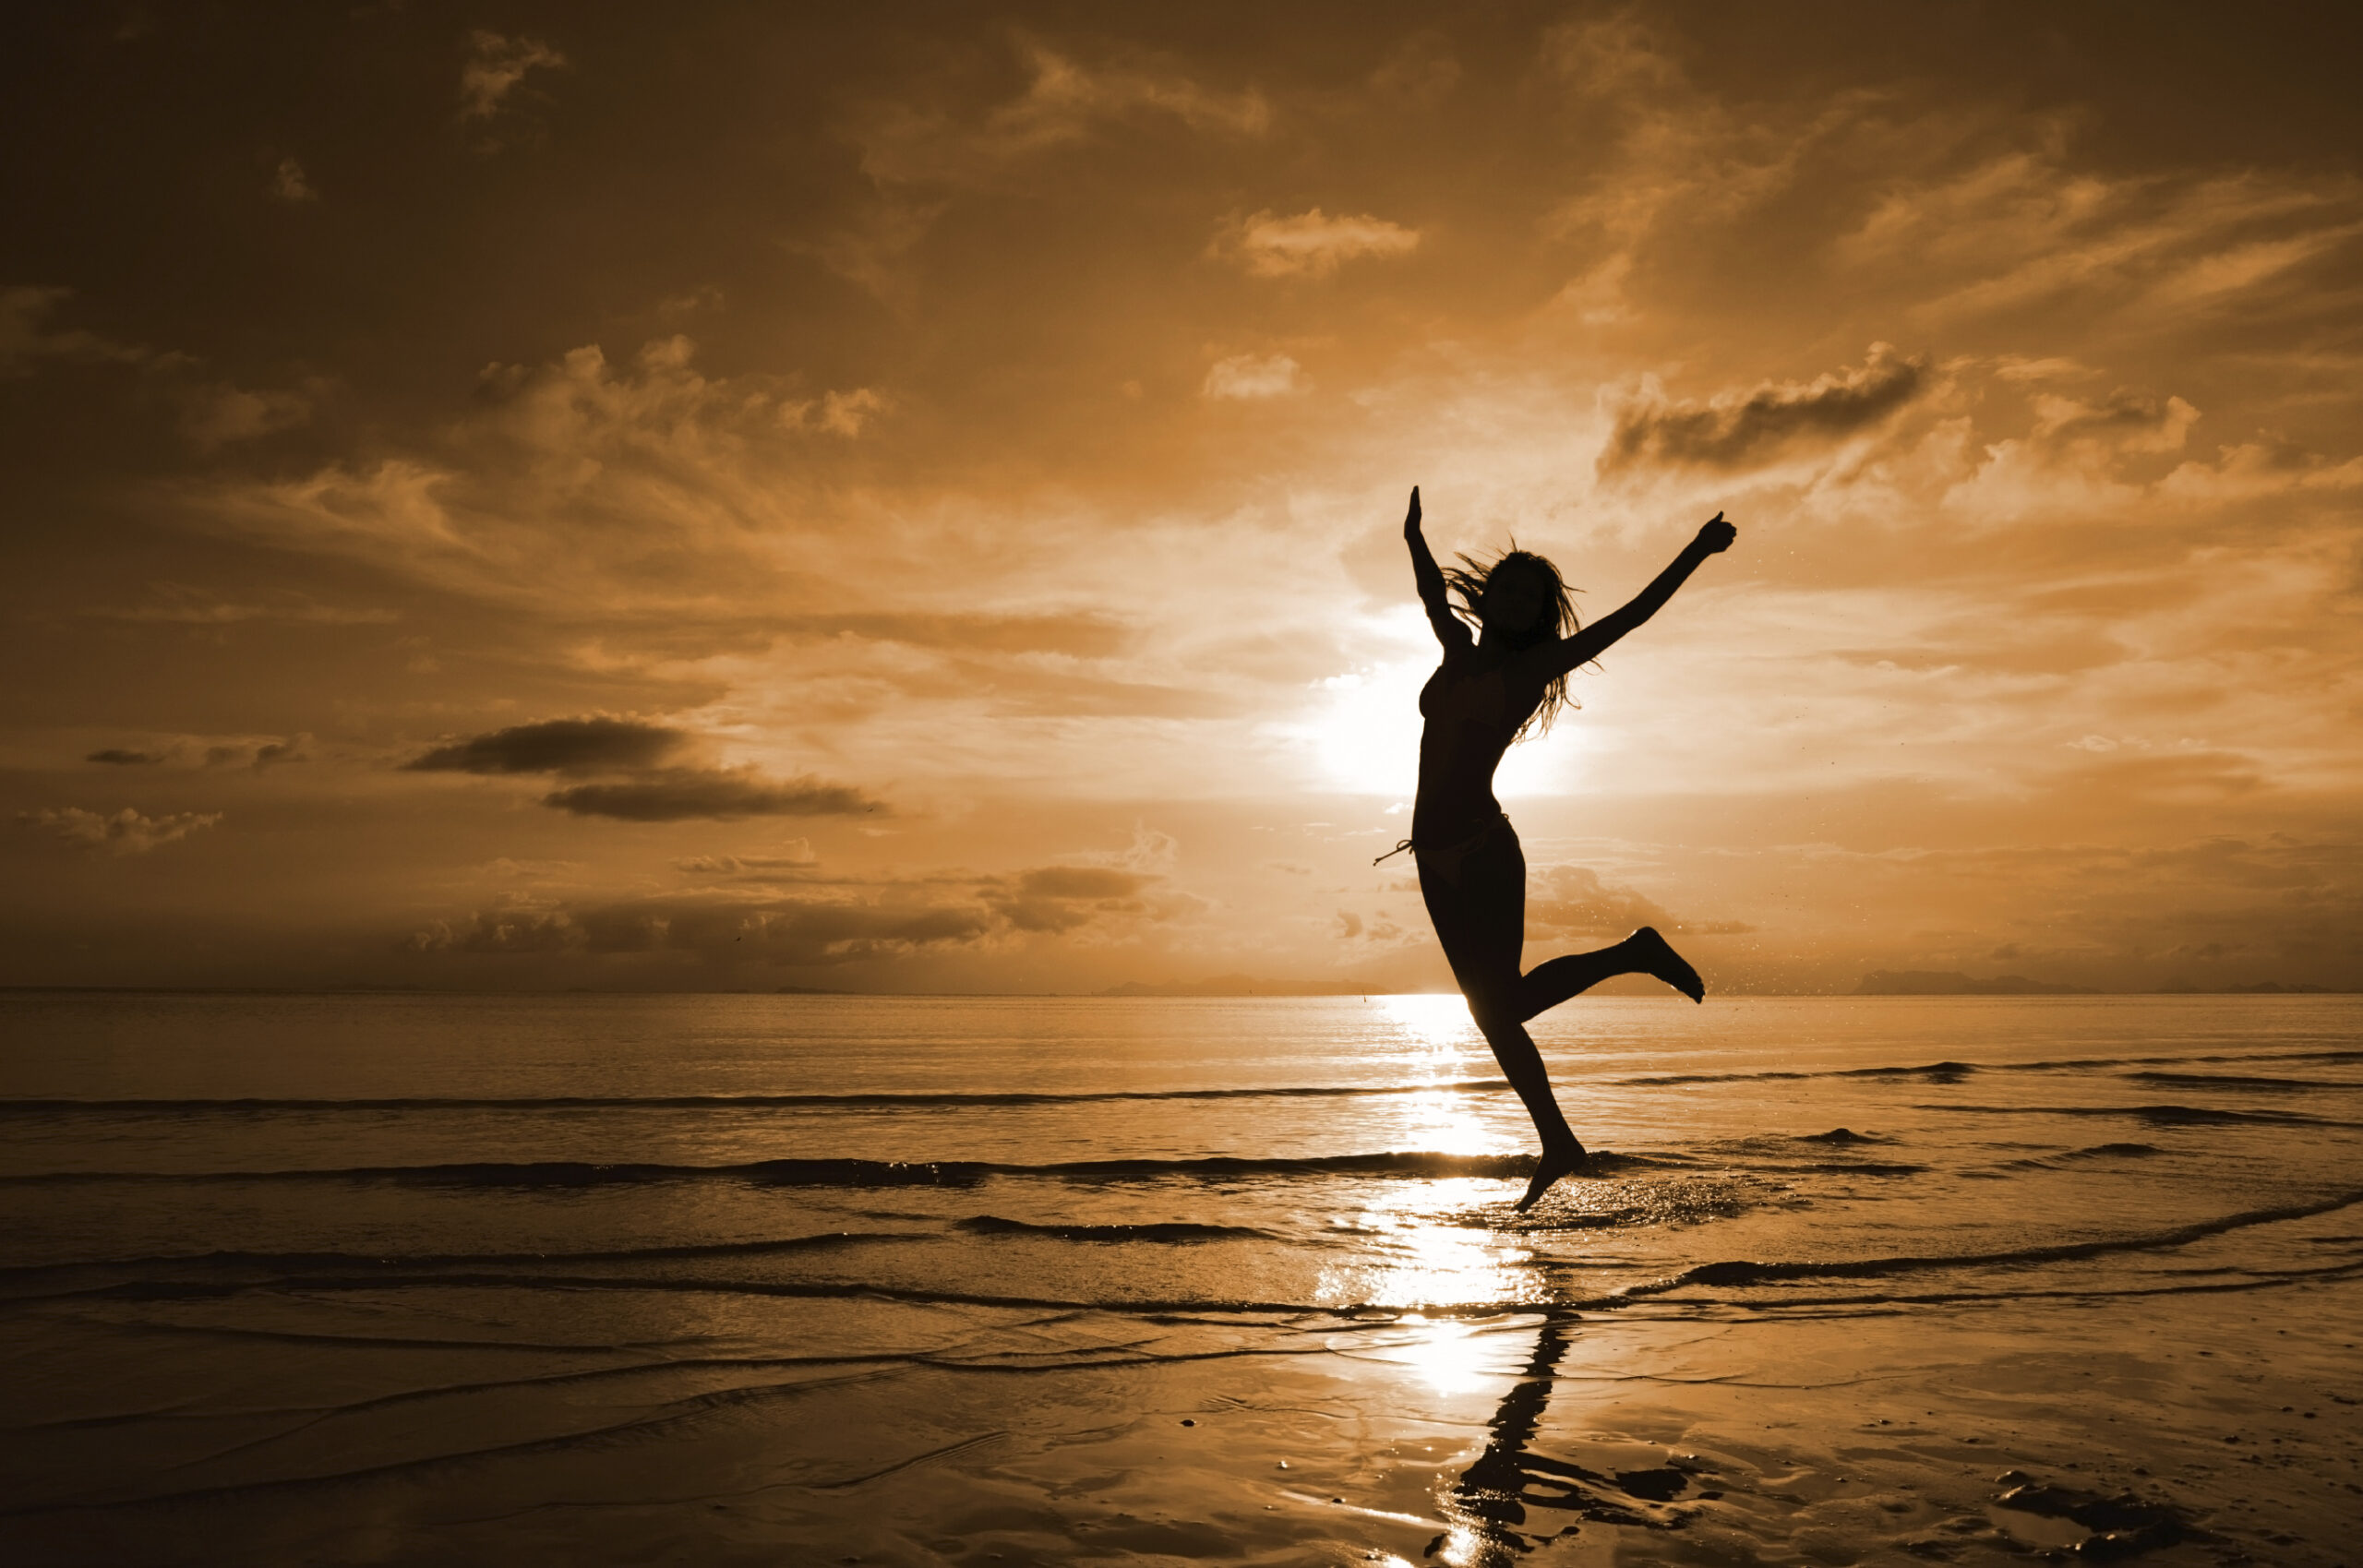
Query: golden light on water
1427,1255
1438,1023
1448,1355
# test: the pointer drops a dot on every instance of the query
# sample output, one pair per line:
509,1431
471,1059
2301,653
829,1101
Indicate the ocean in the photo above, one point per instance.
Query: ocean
1000,1280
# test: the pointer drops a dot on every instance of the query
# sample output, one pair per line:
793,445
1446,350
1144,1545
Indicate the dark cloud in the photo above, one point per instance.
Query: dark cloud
1737,428
1062,898
259,754
120,758
1081,882
675,795
558,745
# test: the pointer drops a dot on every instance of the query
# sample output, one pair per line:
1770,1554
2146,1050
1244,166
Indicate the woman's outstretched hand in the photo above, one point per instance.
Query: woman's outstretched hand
1714,537
1412,522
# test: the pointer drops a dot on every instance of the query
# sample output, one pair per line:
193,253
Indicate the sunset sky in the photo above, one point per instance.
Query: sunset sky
739,496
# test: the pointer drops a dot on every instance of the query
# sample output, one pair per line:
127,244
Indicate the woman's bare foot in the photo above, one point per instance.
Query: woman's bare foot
1653,954
1558,1160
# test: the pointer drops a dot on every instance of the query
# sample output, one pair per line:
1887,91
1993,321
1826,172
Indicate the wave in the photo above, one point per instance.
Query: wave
2158,1115
471,1274
233,1262
882,1100
1933,1071
2096,1151
1747,1272
1954,1072
2235,1081
568,1174
1164,1231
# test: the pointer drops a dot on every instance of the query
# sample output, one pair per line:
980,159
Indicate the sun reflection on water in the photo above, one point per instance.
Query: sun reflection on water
1426,1254
1439,1023
1447,1354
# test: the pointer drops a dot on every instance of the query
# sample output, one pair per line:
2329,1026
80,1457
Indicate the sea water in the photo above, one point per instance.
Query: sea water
273,1258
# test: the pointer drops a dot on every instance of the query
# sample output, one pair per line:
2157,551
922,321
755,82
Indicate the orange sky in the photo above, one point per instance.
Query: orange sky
519,498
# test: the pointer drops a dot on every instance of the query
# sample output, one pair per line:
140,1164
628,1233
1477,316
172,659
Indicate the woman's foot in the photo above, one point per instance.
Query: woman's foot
1652,954
1558,1160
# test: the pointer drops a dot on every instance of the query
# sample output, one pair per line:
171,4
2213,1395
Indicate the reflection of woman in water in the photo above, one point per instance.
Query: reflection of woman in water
1490,690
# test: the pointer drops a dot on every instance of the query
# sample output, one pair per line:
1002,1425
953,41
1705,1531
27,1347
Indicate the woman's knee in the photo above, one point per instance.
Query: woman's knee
1494,1007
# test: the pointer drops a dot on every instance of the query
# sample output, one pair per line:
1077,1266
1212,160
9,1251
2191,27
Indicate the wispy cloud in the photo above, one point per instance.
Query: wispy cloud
1310,244
1249,376
26,338
291,185
494,67
125,833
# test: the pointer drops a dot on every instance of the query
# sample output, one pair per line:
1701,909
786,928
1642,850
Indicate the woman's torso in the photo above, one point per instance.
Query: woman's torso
1474,706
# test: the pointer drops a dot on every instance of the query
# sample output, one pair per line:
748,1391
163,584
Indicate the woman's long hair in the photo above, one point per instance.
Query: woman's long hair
1468,579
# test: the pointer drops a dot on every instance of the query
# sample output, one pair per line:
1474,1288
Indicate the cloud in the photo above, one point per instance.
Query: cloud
1065,99
125,833
773,930
1249,376
646,790
116,755
25,338
794,856
557,745
259,754
289,183
1310,244
675,795
922,150
1736,430
1420,73
575,483
835,413
495,65
845,921
215,415
181,604
2132,422
2025,229
1572,900
1061,898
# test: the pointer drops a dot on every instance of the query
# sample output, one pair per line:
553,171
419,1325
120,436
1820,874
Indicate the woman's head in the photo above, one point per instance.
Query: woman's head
1519,598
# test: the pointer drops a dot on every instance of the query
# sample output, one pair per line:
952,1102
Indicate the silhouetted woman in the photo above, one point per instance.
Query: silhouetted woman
1490,690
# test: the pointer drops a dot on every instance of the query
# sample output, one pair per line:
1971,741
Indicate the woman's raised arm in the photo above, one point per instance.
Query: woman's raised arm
1450,630
1714,538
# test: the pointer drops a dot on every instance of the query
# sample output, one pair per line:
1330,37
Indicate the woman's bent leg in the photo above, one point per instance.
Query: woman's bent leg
1644,953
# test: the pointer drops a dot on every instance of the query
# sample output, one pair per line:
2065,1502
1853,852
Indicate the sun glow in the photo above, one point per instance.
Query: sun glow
1363,732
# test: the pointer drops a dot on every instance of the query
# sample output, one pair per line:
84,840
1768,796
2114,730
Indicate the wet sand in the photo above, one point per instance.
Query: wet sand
2182,1428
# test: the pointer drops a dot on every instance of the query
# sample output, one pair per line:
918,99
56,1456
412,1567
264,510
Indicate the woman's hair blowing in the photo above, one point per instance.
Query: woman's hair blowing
1469,581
